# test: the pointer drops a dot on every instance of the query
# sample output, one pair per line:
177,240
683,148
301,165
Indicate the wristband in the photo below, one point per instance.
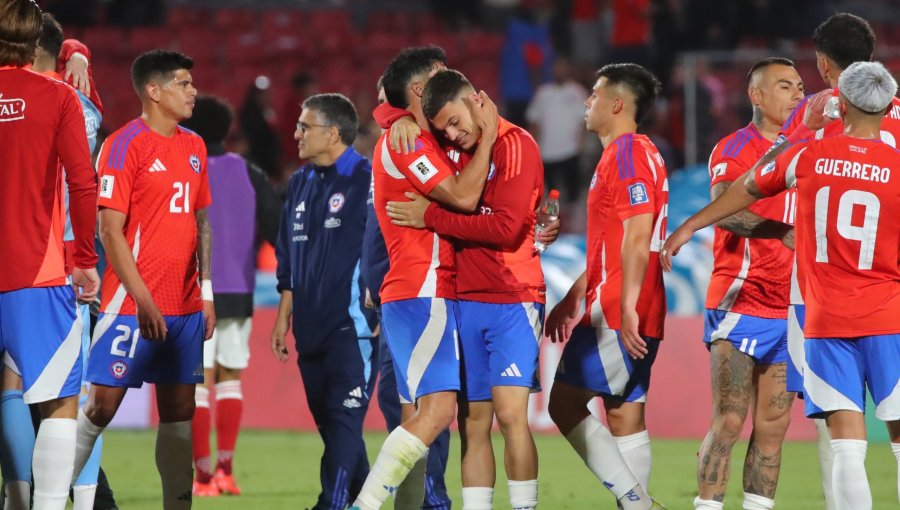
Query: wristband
206,291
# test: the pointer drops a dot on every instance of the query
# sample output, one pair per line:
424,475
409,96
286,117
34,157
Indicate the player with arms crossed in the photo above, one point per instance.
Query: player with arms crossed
611,348
847,268
419,292
747,301
501,291
153,226
41,126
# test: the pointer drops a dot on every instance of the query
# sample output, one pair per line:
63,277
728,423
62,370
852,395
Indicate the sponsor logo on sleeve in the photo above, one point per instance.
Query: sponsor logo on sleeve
106,186
423,169
719,170
637,194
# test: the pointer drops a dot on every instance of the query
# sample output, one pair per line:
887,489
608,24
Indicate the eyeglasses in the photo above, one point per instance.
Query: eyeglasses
304,127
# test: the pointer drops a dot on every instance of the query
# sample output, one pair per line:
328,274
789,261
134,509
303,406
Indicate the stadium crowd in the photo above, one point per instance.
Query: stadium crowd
420,264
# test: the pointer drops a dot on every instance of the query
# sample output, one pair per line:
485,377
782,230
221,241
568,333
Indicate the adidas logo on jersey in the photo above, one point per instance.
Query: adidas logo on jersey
511,371
356,392
157,166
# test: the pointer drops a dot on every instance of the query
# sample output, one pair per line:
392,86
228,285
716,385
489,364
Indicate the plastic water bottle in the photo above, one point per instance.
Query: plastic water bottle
833,106
547,213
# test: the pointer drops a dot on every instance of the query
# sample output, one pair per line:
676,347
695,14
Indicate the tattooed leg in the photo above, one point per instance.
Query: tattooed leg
732,386
771,417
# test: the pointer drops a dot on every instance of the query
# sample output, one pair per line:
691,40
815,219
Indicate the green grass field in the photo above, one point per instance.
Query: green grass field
280,470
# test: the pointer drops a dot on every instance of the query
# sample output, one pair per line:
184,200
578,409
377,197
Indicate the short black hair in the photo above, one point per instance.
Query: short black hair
338,111
51,35
408,64
765,63
211,119
441,89
845,38
157,64
641,82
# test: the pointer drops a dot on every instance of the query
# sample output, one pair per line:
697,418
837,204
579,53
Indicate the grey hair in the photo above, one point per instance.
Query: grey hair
868,86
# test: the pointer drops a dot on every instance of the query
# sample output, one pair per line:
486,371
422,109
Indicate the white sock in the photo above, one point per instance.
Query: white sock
53,463
523,494
411,492
83,497
851,487
18,495
826,461
757,502
478,498
87,435
896,448
597,448
201,396
398,455
175,464
707,504
635,449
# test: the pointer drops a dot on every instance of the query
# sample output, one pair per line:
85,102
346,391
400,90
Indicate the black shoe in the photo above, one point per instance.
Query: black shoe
104,499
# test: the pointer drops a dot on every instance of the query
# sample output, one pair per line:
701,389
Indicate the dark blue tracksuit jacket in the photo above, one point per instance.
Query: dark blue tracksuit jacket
319,247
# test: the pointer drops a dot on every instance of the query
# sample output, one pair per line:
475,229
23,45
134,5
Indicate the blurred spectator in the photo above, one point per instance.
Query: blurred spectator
556,119
525,63
588,33
259,127
303,85
632,27
458,13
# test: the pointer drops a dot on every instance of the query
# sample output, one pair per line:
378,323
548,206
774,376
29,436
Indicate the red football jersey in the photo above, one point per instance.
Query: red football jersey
630,180
750,276
158,182
495,256
41,125
422,262
848,235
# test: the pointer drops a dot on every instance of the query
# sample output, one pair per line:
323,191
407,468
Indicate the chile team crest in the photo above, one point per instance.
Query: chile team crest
195,162
336,202
118,369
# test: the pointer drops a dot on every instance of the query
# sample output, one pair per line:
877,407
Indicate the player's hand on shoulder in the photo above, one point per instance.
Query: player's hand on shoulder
814,117
279,334
409,214
631,338
77,75
404,132
485,114
209,315
151,320
86,283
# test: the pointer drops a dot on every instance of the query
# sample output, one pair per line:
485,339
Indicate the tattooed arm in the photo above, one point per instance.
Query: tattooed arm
204,250
747,224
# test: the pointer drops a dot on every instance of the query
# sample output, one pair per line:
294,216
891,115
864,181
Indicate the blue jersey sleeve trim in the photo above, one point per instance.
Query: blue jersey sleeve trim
120,146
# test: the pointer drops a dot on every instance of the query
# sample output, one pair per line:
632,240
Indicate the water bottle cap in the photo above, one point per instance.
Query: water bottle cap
554,194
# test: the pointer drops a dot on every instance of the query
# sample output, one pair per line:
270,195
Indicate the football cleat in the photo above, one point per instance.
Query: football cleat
205,490
225,483
657,505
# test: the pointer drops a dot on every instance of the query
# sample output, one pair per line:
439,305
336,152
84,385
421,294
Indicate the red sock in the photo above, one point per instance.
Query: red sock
229,404
200,426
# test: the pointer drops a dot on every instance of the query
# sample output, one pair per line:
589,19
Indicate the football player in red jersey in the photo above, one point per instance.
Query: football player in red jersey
612,317
154,316
747,301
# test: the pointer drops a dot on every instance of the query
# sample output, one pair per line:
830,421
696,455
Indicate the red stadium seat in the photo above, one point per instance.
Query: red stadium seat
235,19
148,38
